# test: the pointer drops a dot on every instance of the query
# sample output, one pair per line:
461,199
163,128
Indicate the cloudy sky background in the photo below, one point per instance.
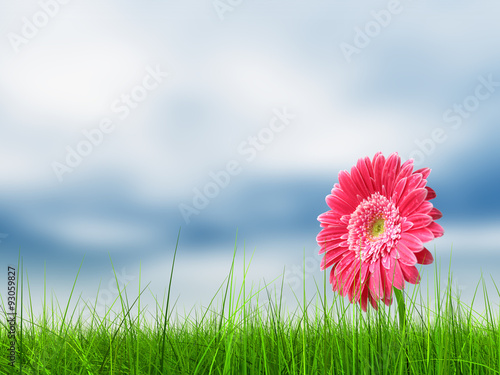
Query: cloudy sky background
228,75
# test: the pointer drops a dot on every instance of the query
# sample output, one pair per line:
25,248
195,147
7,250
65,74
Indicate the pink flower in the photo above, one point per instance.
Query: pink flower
373,236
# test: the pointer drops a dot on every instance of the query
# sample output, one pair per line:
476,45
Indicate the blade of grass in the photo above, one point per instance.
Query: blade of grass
162,350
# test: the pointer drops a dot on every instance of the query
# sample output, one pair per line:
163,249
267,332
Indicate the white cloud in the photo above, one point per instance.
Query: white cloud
94,232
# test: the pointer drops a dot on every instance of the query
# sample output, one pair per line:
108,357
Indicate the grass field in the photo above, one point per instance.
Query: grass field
236,335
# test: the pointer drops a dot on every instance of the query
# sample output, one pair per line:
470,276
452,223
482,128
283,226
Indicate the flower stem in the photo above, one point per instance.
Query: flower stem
402,324
401,308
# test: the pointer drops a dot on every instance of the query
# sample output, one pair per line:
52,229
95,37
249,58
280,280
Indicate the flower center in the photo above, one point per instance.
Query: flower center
374,228
378,228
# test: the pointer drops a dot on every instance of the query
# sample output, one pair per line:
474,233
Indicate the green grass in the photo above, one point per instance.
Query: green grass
239,336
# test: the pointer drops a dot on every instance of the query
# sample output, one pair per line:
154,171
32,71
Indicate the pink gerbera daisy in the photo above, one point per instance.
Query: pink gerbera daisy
380,217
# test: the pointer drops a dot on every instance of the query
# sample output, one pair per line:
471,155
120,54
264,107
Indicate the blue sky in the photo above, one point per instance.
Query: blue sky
178,93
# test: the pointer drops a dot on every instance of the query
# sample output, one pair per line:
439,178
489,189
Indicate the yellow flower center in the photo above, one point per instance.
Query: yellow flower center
378,228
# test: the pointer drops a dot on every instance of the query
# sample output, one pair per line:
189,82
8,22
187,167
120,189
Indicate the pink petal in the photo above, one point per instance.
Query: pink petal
424,256
425,172
406,171
378,165
398,190
332,245
364,299
375,282
394,278
353,286
424,234
410,273
373,301
419,220
338,206
406,225
366,171
406,256
436,214
394,253
436,229
331,233
390,171
360,183
364,272
331,258
329,218
431,194
425,208
412,183
422,184
384,191
387,262
408,162
346,197
345,219
411,242
343,270
412,201
347,184
336,278
386,281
